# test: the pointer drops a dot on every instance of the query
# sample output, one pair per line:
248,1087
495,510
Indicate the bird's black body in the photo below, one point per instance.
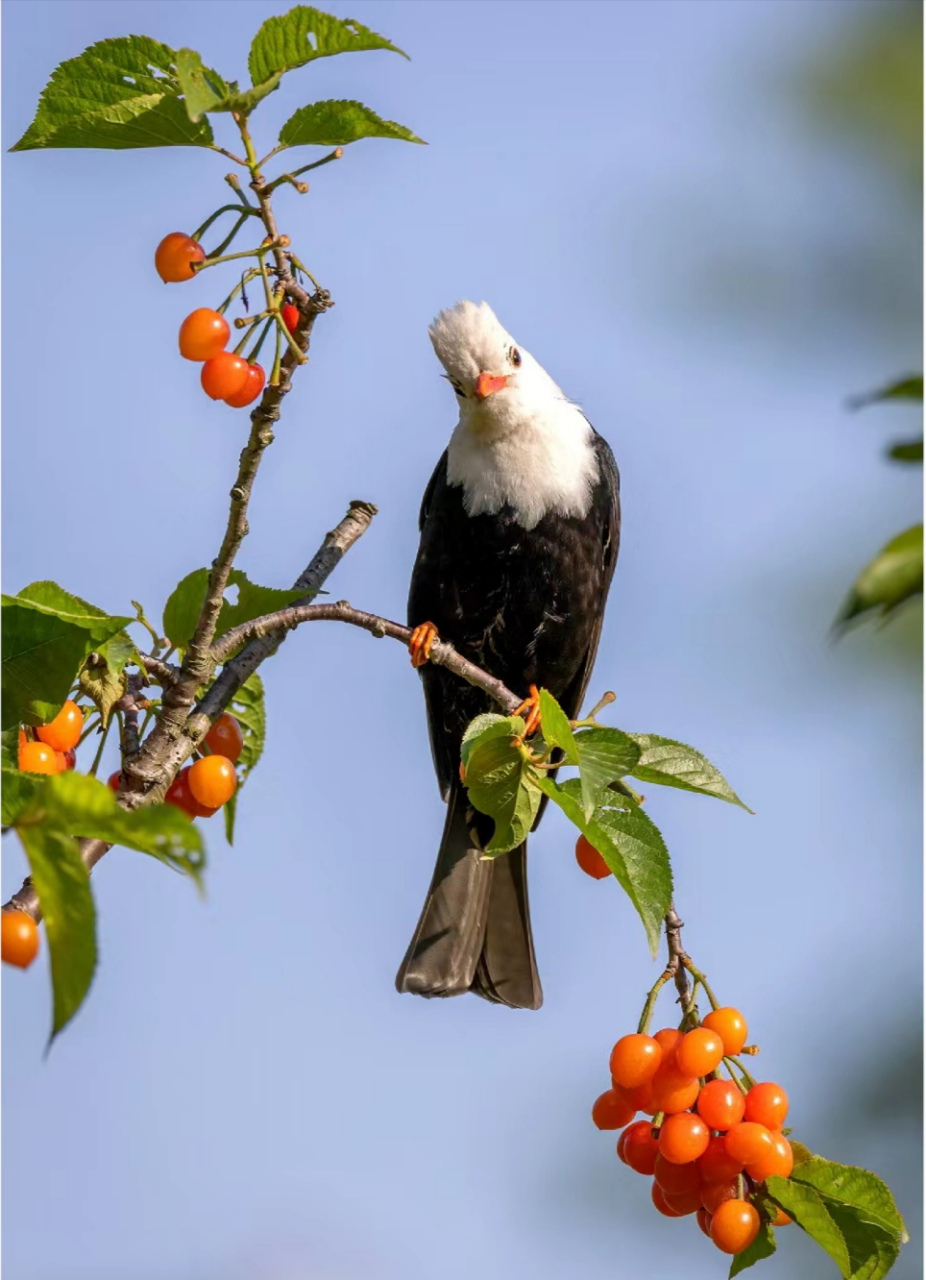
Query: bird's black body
526,605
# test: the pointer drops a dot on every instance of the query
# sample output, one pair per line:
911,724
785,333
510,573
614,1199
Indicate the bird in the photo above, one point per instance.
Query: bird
519,535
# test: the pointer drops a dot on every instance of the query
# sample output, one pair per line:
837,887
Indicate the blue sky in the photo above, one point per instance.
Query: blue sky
634,190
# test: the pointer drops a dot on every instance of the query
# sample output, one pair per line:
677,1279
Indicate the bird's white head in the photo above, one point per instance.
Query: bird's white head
496,381
519,442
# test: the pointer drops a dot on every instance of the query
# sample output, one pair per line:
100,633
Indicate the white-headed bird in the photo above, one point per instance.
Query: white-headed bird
520,526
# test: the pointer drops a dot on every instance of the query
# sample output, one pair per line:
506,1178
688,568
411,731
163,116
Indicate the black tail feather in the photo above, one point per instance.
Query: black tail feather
474,933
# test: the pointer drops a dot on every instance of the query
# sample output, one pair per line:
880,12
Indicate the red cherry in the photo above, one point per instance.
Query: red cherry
253,386
225,375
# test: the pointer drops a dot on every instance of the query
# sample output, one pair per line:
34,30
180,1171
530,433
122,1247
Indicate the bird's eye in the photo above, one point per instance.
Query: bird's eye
457,388
515,356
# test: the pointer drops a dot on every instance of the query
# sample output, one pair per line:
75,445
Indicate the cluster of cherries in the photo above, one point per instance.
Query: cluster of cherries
711,1141
201,788
199,791
204,334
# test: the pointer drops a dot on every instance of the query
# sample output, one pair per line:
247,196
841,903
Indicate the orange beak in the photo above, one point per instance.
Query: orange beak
488,383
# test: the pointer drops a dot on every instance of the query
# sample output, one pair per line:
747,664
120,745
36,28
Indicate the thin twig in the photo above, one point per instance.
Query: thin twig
442,654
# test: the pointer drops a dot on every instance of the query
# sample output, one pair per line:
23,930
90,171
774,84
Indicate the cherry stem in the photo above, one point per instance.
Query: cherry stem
316,164
92,723
736,1080
646,1016
699,977
234,208
275,372
99,751
743,1072
228,154
230,257
297,351
260,341
220,248
304,269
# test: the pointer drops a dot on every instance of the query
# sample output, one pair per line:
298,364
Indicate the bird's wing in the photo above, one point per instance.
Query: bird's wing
450,702
607,504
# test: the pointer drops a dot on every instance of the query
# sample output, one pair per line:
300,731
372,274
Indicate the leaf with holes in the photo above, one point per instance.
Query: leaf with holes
303,34
63,887
557,731
248,708
181,613
894,576
605,755
630,843
204,89
337,123
118,94
673,764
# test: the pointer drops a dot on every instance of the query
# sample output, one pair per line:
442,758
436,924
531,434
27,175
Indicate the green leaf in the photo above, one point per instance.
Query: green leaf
810,1213
336,123
762,1247
103,686
605,755
76,804
895,575
486,727
248,708
852,1186
498,782
630,844
47,634
182,610
63,887
41,655
19,789
673,764
557,731
205,90
902,389
801,1153
872,1251
9,750
102,627
303,34
908,451
118,94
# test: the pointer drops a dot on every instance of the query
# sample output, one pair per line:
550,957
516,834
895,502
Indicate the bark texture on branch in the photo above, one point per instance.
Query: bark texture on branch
442,653
333,549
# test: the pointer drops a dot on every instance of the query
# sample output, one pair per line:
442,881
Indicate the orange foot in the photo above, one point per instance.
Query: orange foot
419,646
530,709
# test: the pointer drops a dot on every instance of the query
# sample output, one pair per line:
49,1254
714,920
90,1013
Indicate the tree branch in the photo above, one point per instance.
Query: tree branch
261,436
442,653
333,549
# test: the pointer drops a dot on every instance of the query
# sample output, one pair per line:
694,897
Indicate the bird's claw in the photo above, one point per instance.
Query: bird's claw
419,646
530,710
